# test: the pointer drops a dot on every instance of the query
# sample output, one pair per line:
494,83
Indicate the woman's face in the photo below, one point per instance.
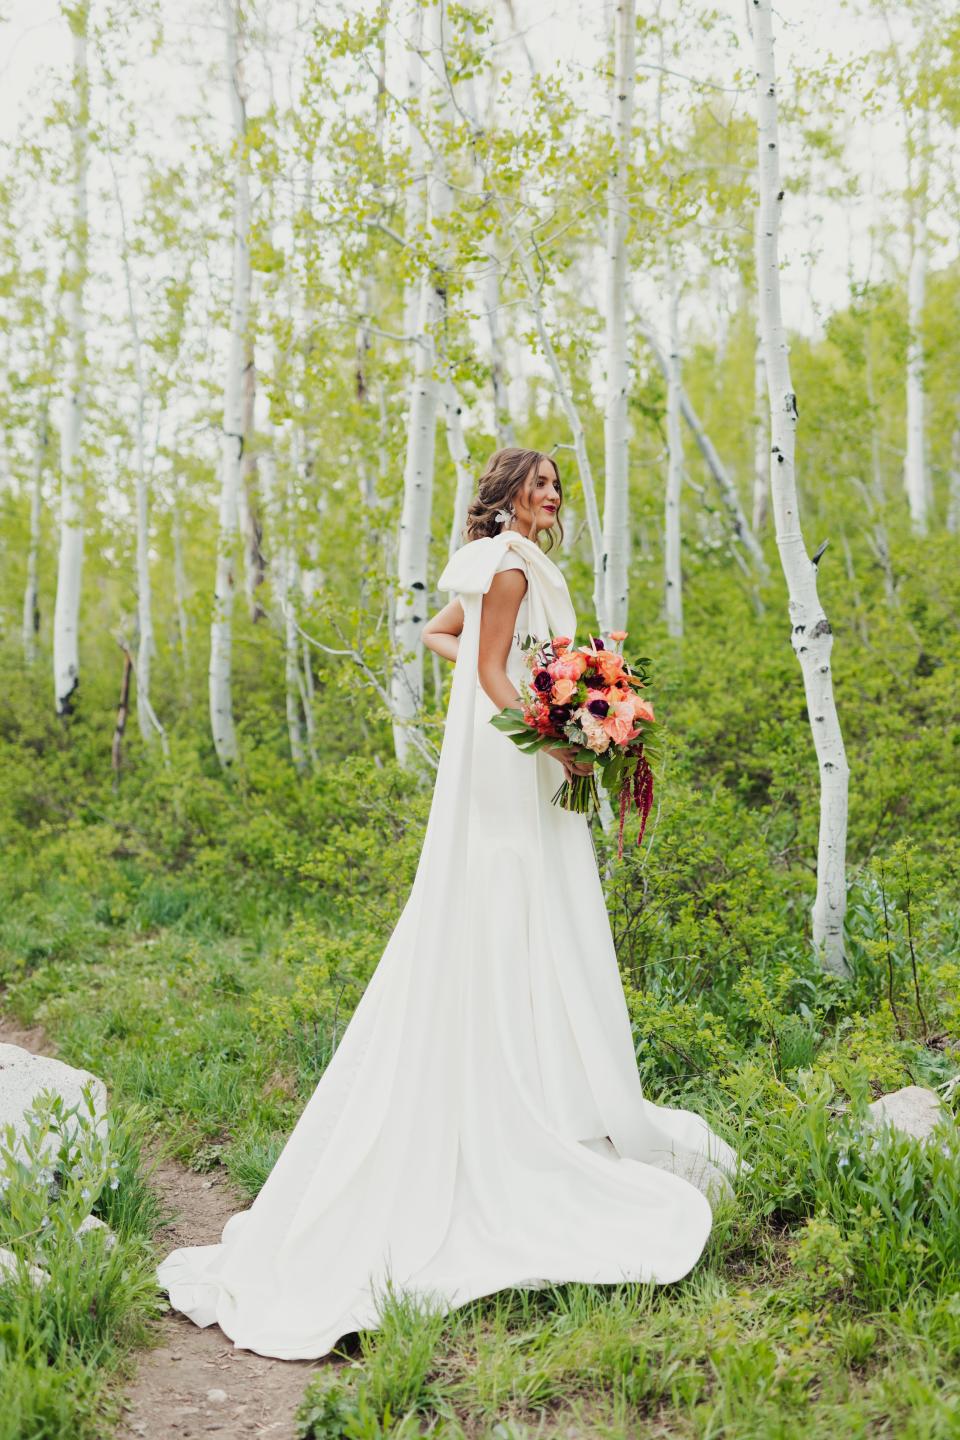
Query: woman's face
537,501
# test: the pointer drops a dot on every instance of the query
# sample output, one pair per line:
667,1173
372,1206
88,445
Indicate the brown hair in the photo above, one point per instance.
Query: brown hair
504,476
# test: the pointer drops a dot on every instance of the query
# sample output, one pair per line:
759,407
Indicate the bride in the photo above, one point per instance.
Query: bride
481,1124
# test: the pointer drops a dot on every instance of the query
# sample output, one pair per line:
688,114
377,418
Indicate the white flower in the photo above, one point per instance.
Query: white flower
597,738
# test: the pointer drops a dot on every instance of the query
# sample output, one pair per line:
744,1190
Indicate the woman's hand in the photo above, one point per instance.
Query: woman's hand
565,754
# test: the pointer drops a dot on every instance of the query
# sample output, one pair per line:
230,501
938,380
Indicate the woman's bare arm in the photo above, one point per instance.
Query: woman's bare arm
498,621
442,631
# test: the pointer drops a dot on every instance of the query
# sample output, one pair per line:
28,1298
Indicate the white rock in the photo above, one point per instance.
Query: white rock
696,1169
9,1268
93,1222
914,1110
24,1077
699,1171
216,1397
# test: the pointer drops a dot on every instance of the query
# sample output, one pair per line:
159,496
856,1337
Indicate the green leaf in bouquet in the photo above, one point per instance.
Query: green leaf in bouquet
509,719
512,724
614,771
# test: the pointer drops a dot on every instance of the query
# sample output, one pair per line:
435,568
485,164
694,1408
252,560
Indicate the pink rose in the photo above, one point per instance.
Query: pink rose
568,667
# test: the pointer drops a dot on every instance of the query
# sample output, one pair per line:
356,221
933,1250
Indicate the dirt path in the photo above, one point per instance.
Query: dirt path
194,1383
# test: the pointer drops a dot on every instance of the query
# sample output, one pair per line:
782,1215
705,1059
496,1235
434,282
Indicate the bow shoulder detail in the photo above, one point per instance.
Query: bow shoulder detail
471,569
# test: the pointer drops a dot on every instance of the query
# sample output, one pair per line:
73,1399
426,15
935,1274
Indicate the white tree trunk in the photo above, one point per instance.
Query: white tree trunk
761,443
915,470
231,447
406,685
250,521
180,578
616,516
31,593
460,455
146,717
406,690
66,615
147,722
311,580
287,585
811,635
876,495
672,559
291,656
490,289
363,340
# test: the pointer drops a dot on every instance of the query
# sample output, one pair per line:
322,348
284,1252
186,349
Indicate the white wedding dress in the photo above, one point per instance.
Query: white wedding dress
481,1124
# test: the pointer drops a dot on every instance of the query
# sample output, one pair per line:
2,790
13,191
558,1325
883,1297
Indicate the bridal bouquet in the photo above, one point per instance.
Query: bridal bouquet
588,698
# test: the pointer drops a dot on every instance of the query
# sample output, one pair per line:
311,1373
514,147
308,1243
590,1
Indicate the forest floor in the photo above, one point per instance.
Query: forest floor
194,1382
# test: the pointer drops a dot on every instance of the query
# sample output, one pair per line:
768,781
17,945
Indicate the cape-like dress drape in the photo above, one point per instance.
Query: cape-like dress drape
481,1123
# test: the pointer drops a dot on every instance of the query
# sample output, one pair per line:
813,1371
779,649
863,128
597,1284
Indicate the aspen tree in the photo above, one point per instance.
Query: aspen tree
31,592
616,518
231,446
66,617
673,489
406,686
672,563
811,635
147,722
910,74
460,455
916,471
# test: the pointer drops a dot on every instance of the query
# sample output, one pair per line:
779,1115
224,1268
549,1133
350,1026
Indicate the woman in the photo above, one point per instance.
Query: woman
481,1124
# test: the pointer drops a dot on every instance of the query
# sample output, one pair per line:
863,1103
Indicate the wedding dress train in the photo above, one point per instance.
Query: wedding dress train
481,1123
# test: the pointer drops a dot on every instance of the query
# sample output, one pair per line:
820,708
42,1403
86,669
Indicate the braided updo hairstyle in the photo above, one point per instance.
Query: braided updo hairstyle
504,477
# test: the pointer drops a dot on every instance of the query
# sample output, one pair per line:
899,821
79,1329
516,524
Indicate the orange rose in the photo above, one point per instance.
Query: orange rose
562,690
560,643
618,634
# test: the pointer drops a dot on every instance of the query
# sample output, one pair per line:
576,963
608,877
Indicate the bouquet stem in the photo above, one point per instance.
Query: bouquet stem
579,794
